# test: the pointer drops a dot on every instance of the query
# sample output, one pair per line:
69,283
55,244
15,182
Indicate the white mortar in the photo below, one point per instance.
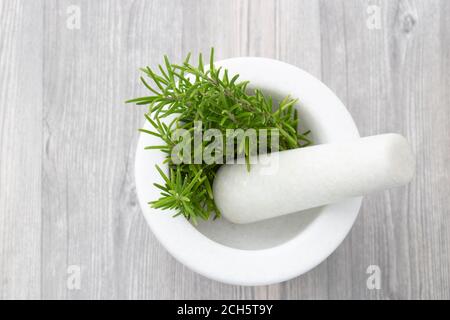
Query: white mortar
270,251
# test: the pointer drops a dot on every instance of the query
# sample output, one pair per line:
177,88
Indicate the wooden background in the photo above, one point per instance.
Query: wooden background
67,141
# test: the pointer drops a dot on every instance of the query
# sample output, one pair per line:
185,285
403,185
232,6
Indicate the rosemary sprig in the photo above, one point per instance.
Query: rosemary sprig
220,101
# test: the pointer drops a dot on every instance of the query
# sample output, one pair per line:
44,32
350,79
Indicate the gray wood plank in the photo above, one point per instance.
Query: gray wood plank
302,49
20,149
423,69
391,80
334,73
91,218
68,140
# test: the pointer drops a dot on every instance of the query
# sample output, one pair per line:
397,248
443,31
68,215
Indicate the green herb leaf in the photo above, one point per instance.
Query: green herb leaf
220,101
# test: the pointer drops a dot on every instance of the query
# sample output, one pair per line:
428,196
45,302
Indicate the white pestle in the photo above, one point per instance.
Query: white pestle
295,180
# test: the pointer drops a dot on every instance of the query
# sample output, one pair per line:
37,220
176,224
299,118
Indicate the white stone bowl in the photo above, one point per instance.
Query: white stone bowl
270,251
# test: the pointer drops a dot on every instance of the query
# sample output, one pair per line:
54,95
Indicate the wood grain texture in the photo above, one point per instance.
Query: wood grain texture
67,193
20,148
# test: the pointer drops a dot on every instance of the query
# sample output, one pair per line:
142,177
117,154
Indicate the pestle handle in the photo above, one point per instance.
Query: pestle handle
301,179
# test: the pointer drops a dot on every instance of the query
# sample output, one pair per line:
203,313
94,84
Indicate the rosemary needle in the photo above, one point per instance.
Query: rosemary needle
220,101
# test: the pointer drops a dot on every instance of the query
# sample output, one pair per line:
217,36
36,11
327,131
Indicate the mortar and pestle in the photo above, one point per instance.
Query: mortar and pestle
281,224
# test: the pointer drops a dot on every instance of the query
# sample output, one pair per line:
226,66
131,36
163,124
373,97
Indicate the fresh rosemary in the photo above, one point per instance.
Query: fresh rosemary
220,101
